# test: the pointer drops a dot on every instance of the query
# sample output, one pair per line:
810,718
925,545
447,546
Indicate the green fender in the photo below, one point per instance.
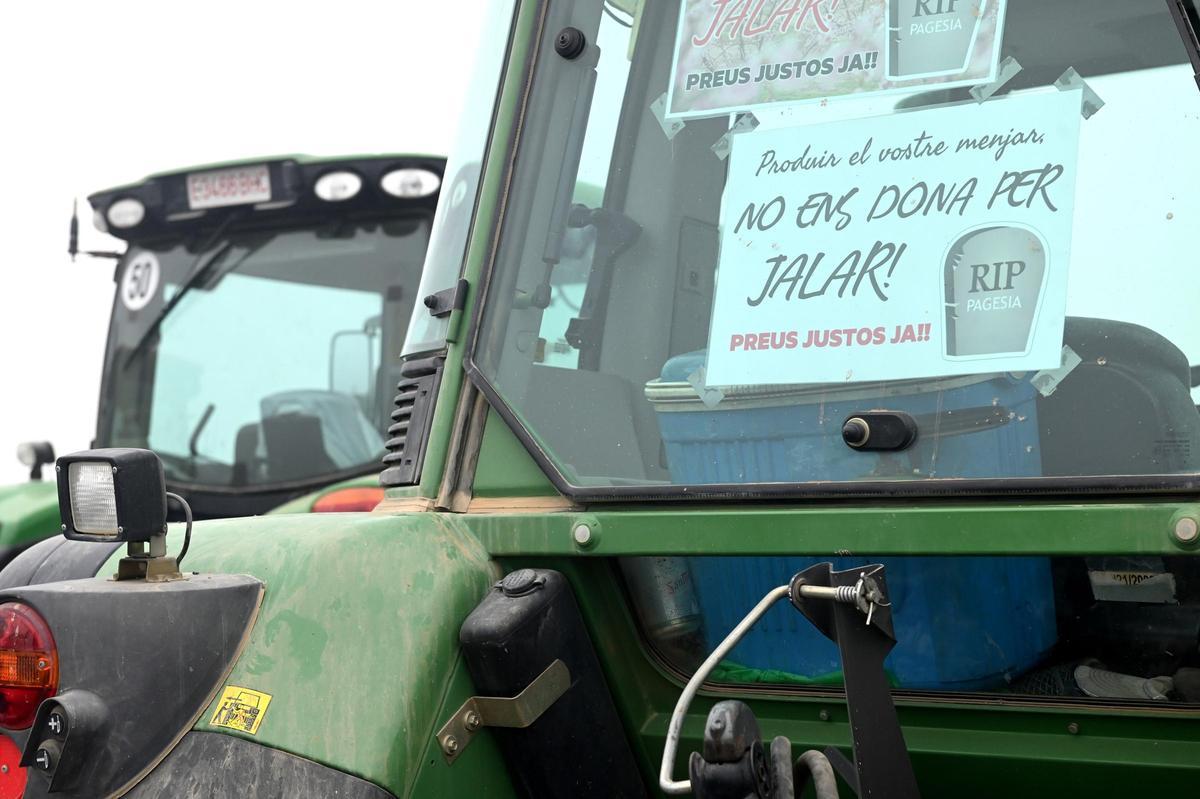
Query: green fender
28,513
357,638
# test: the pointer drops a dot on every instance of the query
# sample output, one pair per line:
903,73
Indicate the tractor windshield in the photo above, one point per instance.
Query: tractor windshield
264,358
930,246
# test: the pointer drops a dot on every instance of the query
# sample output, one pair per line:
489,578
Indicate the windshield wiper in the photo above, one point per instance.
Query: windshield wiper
193,442
199,272
200,269
201,265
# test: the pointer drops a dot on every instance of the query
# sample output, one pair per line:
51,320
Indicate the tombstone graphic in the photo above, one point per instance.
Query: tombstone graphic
993,282
929,38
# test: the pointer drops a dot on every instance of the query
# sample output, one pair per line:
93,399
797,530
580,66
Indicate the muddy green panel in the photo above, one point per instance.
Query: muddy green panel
305,503
930,527
28,513
357,638
505,468
492,186
479,772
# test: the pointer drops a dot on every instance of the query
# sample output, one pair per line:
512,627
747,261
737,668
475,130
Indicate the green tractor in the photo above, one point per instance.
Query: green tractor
251,409
843,447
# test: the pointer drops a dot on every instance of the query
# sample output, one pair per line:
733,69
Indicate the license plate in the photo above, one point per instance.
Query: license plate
236,186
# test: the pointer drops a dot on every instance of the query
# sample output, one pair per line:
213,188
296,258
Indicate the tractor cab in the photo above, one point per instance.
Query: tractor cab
258,312
258,318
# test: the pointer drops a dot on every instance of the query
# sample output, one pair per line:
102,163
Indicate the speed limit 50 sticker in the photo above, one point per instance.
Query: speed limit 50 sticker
139,285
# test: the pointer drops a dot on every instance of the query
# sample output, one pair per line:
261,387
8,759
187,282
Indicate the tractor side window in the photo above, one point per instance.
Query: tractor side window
1112,628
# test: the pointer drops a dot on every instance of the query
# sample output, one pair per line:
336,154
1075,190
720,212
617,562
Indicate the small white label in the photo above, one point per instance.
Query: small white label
139,285
1133,586
237,186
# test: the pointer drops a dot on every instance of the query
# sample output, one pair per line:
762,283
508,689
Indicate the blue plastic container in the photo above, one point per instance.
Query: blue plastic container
962,623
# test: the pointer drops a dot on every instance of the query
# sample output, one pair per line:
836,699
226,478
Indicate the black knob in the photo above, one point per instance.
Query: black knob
855,432
570,43
45,758
521,582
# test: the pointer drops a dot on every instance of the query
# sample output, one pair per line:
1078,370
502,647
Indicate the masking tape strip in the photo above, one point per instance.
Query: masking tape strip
745,123
1047,380
1009,68
709,395
1073,80
670,127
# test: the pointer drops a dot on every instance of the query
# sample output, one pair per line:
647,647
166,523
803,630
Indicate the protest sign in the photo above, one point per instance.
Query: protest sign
919,244
739,55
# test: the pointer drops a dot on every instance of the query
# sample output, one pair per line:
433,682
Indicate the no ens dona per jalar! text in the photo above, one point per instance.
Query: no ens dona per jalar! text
872,267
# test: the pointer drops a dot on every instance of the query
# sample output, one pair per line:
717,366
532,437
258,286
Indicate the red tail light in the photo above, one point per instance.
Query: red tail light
12,776
28,664
349,499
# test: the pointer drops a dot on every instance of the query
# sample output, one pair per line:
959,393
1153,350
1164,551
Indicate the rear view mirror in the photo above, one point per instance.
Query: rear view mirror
352,359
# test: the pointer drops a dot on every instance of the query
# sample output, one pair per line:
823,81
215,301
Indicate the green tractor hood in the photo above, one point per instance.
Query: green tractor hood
28,513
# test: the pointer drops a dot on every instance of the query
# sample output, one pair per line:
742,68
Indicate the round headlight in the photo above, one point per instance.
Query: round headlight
337,186
410,183
126,213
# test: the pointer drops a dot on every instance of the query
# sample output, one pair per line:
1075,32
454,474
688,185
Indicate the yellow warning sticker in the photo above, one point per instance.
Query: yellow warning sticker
241,709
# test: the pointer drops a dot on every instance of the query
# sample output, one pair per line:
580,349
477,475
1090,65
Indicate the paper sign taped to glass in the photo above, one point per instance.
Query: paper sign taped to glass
921,244
739,55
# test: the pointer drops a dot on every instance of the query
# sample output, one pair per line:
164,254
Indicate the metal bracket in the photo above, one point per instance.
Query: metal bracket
154,566
881,763
446,301
520,711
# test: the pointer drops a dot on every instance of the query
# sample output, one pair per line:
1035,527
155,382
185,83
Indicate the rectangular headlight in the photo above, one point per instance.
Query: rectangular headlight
112,495
93,497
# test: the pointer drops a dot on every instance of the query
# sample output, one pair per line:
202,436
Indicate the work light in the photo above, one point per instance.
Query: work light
35,455
337,186
126,213
410,183
112,495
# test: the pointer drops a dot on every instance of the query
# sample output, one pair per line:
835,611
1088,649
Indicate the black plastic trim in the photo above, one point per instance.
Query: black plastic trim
207,764
412,420
152,654
168,214
54,559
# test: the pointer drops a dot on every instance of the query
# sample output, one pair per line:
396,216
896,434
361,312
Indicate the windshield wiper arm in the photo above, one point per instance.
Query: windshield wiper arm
200,425
199,271
201,265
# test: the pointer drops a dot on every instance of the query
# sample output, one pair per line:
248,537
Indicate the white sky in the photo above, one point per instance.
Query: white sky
101,93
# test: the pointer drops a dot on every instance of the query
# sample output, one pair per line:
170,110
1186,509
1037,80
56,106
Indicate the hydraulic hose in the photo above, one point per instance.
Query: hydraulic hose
824,780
